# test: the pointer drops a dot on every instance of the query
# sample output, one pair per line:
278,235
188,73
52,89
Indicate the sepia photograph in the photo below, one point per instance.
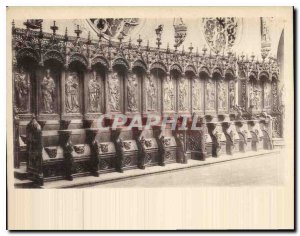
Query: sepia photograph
133,101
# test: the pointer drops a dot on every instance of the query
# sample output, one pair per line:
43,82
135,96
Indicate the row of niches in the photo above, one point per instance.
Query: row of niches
53,92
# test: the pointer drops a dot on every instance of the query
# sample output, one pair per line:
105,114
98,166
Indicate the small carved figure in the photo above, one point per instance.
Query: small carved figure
22,86
168,94
114,92
132,93
182,95
231,95
222,95
196,94
210,94
48,92
72,87
151,93
94,93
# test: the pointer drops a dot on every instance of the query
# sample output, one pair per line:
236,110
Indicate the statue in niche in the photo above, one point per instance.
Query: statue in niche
168,94
94,93
132,93
48,92
255,96
267,95
151,93
22,90
196,94
72,92
222,95
231,95
114,92
182,94
210,94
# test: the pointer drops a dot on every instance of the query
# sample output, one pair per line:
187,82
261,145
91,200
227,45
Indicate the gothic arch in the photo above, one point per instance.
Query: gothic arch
217,71
100,60
230,72
54,55
159,65
27,53
205,70
121,62
190,69
264,75
139,64
176,67
76,57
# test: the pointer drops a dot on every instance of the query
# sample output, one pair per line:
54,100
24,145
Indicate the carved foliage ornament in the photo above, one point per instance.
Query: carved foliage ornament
113,27
221,32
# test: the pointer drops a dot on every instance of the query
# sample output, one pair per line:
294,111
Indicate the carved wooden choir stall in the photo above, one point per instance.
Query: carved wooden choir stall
62,84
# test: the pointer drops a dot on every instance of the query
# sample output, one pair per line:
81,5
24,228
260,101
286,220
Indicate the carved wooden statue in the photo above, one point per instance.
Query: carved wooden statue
114,92
72,93
48,90
94,87
22,91
132,93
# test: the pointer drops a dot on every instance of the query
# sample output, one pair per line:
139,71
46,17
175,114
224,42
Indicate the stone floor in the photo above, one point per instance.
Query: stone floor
259,170
251,168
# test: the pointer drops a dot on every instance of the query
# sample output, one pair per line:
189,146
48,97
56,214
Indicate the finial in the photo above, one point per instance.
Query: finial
41,31
89,38
66,34
168,49
139,40
54,28
129,43
147,48
197,52
182,53
191,48
78,31
204,49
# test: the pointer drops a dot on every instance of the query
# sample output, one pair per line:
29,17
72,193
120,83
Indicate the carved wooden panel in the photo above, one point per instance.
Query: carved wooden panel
169,94
73,93
255,95
152,93
222,92
48,89
231,95
114,92
197,95
95,92
23,91
210,95
132,92
267,95
183,96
